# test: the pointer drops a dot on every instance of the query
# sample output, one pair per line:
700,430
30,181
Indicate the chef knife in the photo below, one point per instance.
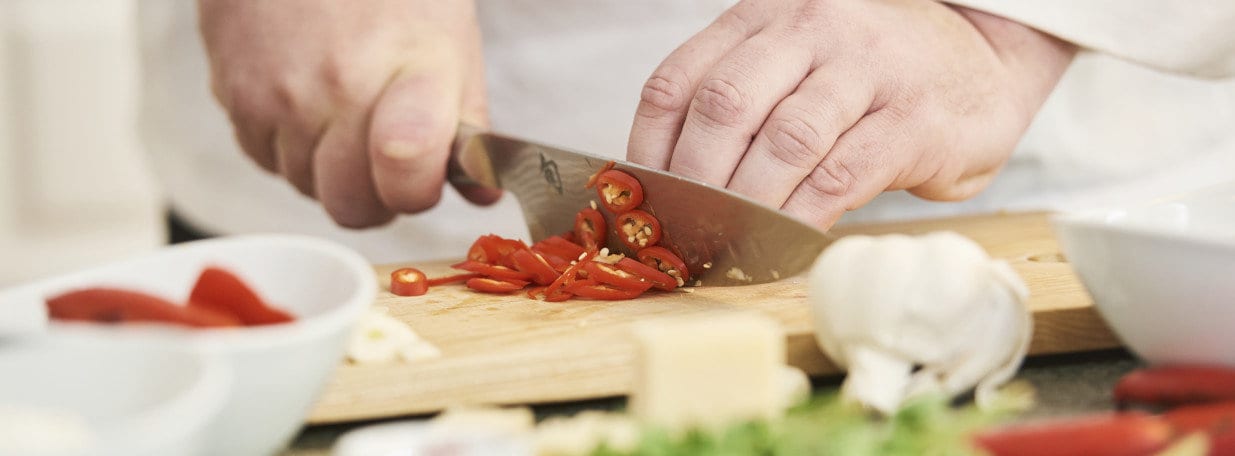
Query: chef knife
724,238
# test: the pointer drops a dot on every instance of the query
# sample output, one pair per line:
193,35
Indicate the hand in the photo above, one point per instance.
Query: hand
354,104
817,106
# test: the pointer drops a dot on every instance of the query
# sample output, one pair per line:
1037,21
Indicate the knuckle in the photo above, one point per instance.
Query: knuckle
665,90
719,103
831,179
794,142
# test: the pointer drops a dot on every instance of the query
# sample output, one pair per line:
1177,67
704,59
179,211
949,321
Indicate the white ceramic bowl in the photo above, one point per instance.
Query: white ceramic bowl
1162,274
98,397
278,369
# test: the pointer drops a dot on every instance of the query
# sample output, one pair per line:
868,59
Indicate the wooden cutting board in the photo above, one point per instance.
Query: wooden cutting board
512,350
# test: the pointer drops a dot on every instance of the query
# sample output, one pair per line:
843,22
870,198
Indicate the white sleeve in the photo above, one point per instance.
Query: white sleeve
1195,37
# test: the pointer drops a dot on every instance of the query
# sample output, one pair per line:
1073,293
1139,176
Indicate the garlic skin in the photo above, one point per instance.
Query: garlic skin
884,306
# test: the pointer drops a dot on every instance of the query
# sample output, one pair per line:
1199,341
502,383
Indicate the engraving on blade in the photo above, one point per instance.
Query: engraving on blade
548,183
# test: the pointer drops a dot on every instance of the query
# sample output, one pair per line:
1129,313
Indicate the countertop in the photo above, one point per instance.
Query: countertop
1065,384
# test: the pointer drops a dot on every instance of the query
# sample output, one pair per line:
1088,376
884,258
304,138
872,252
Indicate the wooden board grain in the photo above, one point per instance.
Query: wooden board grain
512,350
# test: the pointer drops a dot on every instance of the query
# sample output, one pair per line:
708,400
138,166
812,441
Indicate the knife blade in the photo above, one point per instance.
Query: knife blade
725,238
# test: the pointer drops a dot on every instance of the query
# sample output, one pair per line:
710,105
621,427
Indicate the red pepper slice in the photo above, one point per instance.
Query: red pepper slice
610,275
1175,385
453,279
590,228
408,282
568,276
487,285
618,191
534,265
1105,434
494,271
560,247
596,290
665,261
494,249
219,290
1216,420
660,280
638,229
111,305
591,180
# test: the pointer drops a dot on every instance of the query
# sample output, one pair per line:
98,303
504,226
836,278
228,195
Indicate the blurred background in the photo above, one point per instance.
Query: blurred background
75,189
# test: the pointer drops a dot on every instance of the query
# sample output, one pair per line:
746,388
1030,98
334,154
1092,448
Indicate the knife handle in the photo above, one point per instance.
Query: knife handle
469,159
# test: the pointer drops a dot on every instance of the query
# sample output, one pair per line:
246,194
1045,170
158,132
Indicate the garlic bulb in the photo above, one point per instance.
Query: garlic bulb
380,338
909,315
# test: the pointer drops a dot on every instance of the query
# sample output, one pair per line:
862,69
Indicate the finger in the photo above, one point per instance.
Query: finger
257,141
732,102
865,161
474,110
342,175
667,94
294,149
799,132
414,123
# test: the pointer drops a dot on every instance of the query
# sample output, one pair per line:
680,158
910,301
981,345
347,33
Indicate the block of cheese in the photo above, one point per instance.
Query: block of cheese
706,372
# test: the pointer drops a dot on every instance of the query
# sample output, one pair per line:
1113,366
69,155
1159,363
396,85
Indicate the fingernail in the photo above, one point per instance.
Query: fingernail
400,150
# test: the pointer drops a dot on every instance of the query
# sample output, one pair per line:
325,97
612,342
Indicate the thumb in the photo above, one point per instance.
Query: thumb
411,130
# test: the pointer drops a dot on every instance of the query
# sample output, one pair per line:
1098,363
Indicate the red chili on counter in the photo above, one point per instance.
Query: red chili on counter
665,261
590,229
638,229
619,192
1176,385
408,282
575,263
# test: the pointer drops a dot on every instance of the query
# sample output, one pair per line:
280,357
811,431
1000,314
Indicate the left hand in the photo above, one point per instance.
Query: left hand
817,106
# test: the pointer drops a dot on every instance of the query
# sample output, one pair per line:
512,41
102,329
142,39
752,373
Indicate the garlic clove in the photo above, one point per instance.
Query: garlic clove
876,379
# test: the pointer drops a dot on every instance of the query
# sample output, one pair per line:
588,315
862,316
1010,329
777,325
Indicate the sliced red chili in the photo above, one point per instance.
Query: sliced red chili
590,228
591,180
665,261
494,271
618,191
596,290
111,305
531,263
560,247
487,285
638,229
610,275
408,282
1175,385
568,276
658,279
222,291
494,249
456,278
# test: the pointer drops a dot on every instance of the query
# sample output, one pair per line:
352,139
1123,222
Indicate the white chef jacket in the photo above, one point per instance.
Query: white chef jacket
569,73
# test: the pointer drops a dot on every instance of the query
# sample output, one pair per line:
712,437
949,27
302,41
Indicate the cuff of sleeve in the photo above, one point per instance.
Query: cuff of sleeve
1193,38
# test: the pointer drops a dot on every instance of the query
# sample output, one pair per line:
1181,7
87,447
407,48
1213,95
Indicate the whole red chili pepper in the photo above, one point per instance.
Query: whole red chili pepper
1216,420
1174,385
1113,434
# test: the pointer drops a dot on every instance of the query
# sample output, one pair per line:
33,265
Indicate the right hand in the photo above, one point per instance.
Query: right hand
355,104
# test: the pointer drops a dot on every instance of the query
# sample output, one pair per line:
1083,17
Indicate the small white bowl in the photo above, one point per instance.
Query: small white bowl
1162,274
99,397
278,369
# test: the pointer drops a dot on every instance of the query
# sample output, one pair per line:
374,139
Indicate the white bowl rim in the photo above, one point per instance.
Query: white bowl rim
308,327
1096,219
